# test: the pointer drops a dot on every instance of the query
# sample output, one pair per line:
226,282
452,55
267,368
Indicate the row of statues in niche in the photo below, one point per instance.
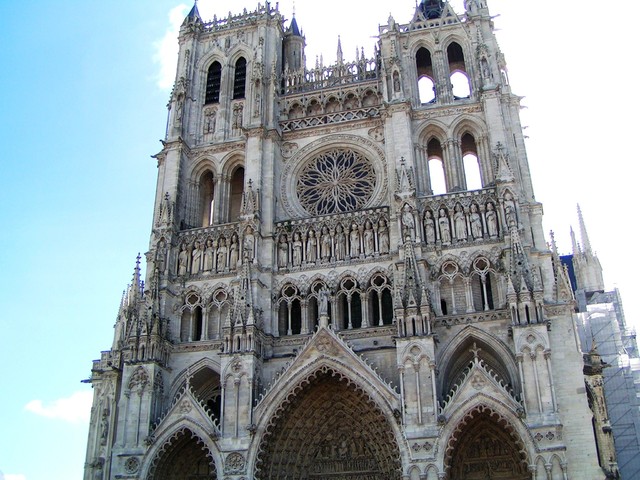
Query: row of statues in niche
333,244
460,225
215,256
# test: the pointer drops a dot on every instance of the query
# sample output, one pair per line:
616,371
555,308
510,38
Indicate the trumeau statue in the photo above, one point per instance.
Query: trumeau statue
339,320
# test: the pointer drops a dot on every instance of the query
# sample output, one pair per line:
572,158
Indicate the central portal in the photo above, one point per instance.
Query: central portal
331,430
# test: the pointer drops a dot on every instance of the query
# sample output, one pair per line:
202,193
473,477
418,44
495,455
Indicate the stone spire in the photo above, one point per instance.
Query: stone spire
193,17
586,244
339,52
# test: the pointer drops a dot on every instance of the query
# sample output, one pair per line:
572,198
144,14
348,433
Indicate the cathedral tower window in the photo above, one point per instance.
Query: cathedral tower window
236,192
471,162
435,162
206,198
240,78
214,76
459,77
349,305
426,83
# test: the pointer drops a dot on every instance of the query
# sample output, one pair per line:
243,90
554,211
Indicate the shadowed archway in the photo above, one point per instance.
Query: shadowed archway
183,457
486,447
330,429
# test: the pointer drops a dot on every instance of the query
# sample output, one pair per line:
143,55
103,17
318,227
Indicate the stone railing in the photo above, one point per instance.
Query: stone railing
329,119
242,19
332,239
326,77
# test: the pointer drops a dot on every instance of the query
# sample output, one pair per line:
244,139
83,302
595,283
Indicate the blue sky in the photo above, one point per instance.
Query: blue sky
83,105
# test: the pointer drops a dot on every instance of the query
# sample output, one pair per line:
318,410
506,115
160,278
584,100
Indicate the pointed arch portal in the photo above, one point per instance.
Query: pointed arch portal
330,430
486,447
185,457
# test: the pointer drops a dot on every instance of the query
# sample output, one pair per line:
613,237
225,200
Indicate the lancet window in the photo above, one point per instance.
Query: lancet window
471,162
206,187
240,78
191,324
435,162
459,77
426,77
289,311
380,301
214,76
349,304
236,191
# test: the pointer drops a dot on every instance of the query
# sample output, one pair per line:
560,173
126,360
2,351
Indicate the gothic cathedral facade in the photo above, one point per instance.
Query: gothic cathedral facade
347,275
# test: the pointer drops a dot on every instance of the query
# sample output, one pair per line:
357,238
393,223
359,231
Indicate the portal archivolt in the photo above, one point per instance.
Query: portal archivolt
330,430
487,448
184,458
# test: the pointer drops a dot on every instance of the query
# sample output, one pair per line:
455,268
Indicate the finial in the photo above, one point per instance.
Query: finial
294,9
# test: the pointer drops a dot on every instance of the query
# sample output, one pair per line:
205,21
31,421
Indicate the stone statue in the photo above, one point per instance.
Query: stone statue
408,222
341,243
445,228
369,246
222,254
233,252
429,228
383,237
249,243
492,220
325,245
209,256
460,223
354,238
509,209
476,222
312,247
210,121
196,258
161,256
323,305
283,252
183,260
297,250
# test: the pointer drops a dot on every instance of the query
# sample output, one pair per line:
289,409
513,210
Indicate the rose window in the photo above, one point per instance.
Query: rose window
336,181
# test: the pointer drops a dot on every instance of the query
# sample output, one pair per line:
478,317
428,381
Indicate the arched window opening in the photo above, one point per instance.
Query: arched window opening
206,198
205,384
435,166
471,162
380,301
185,458
482,285
289,311
240,79
350,305
459,76
214,75
197,324
460,85
426,83
237,190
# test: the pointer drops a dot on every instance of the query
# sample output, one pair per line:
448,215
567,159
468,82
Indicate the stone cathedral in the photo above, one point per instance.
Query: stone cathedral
347,276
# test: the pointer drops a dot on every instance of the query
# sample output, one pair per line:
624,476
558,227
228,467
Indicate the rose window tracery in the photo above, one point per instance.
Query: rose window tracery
336,181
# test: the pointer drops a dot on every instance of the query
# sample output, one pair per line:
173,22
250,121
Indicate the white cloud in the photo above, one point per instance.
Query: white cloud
73,409
167,48
11,476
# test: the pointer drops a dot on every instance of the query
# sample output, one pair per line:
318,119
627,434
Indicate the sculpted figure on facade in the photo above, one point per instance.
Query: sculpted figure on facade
312,247
209,254
196,258
325,244
492,220
445,228
222,254
369,243
210,120
297,250
476,222
383,237
460,223
408,223
249,244
354,239
341,243
233,252
161,256
429,228
183,260
283,252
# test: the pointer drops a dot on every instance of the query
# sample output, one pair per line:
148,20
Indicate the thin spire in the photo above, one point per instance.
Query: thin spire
340,57
583,233
574,243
